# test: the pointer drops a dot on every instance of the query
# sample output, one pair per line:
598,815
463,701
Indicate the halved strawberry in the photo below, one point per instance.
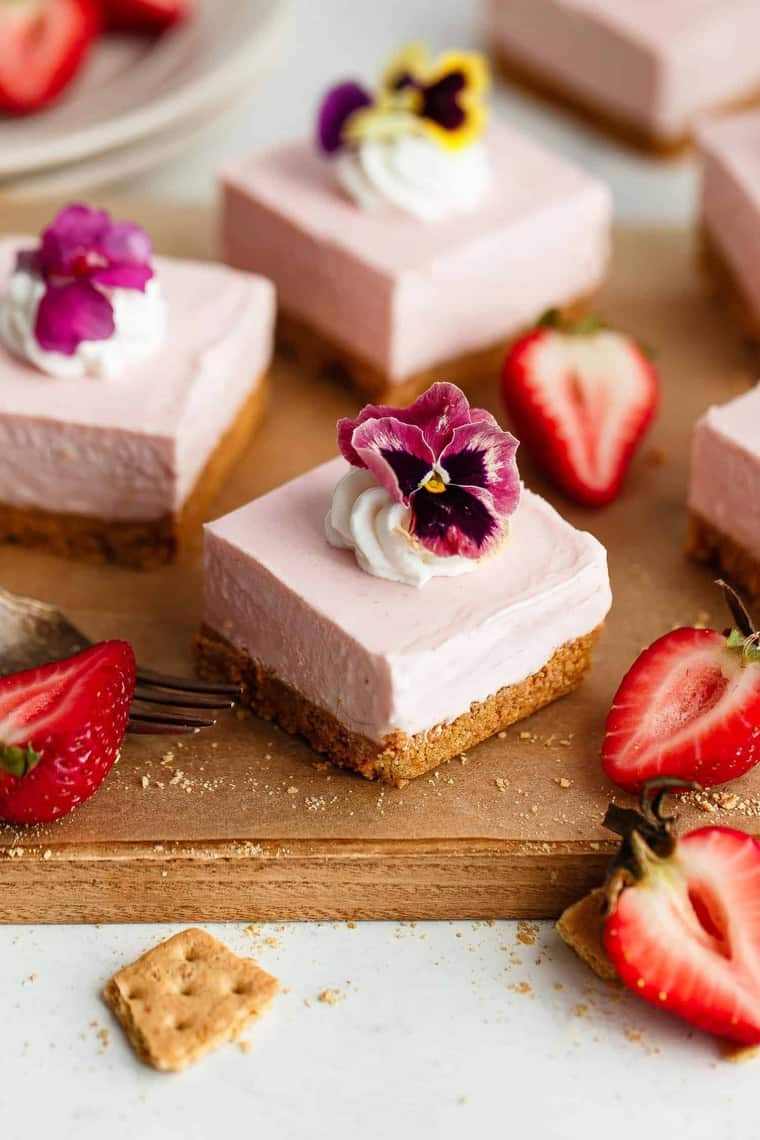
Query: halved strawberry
144,15
580,398
43,44
683,922
61,728
688,707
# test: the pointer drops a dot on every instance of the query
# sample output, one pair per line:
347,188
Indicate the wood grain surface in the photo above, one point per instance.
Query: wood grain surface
247,823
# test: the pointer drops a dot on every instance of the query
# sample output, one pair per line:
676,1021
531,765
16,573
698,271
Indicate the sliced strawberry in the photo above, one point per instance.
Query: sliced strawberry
145,15
688,707
61,728
683,924
43,44
580,398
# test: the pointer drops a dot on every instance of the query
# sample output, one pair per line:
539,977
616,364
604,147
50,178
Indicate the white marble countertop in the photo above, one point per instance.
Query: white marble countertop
442,1030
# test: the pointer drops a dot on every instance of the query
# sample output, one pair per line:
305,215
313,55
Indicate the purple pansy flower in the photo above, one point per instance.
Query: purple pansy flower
81,256
338,105
451,464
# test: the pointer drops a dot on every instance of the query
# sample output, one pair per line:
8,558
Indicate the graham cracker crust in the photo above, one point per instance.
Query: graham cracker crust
551,90
728,284
142,544
581,926
399,757
319,354
705,543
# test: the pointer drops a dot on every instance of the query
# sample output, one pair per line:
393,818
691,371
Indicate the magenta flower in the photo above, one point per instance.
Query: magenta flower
82,255
451,464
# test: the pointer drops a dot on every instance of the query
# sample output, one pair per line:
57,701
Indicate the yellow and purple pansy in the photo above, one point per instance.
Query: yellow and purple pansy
450,464
81,257
441,98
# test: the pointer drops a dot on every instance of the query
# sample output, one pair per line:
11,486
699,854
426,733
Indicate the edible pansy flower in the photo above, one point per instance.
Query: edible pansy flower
83,255
450,464
441,98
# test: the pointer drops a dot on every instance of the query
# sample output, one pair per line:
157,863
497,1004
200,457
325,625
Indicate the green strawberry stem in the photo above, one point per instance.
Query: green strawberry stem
743,635
18,761
584,326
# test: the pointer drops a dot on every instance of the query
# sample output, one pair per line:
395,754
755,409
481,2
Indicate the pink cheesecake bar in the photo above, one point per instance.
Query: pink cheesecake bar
724,490
730,209
386,679
395,300
122,468
647,68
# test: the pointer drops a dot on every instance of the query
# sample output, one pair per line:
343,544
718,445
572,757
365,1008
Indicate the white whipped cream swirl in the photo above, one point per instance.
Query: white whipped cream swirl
364,518
140,320
414,174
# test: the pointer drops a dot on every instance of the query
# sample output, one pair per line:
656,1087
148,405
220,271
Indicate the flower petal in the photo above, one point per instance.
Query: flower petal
337,107
69,314
482,455
396,453
456,521
437,412
74,231
121,276
126,243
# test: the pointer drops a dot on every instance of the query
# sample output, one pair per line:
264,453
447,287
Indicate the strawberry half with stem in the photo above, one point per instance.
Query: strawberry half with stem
144,15
689,706
580,397
683,918
43,44
61,728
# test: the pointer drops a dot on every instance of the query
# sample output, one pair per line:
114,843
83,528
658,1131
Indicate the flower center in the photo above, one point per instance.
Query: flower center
435,485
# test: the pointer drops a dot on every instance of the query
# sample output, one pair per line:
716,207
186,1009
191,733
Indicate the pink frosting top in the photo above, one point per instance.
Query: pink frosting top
132,447
383,656
725,469
658,63
407,294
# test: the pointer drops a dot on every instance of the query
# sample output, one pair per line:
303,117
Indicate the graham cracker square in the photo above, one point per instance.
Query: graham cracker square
185,997
581,927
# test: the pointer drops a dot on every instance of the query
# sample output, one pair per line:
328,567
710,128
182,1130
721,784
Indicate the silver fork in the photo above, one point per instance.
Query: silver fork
34,633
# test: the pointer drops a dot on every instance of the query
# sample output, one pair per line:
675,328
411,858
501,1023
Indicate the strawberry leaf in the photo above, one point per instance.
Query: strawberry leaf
18,761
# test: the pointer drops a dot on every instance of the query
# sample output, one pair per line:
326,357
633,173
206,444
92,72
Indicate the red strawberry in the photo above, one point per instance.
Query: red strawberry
145,15
580,398
683,922
42,46
688,707
61,728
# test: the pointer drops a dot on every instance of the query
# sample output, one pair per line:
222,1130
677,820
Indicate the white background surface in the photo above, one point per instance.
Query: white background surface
444,1030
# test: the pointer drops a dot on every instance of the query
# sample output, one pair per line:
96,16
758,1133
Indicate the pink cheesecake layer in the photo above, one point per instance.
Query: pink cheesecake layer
730,207
725,470
655,63
132,447
378,655
405,294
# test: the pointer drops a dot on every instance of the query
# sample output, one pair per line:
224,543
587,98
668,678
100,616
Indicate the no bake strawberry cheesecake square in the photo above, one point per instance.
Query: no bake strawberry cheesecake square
409,241
128,388
730,211
402,603
724,490
646,69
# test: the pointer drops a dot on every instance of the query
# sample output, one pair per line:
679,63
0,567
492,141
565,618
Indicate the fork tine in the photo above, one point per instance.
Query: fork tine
139,729
174,699
186,684
169,720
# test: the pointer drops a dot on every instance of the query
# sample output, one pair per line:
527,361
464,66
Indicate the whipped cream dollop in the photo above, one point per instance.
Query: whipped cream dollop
140,320
364,518
414,174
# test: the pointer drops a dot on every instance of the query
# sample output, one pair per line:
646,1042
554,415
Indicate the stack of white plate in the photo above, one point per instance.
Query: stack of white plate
139,101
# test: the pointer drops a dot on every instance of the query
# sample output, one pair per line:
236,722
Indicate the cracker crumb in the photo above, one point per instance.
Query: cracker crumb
330,996
47,854
145,781
245,1046
501,783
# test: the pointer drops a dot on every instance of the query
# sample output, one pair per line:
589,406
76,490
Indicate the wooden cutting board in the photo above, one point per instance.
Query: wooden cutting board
247,823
